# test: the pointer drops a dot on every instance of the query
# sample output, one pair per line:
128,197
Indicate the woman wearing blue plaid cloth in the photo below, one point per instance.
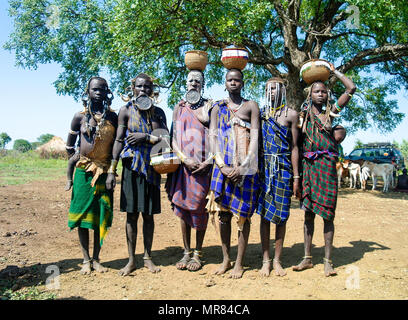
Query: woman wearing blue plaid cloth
234,130
140,184
278,170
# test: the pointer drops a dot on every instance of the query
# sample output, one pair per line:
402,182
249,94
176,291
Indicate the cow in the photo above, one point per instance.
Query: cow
354,170
385,170
342,172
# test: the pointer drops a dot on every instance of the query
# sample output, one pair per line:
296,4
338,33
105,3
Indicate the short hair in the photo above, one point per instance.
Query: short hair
236,70
141,76
339,127
96,78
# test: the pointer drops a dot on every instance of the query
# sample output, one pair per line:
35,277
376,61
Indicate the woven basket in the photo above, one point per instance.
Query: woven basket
196,60
234,58
315,70
166,162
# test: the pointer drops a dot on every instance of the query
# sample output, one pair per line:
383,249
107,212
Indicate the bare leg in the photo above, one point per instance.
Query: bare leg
243,237
265,231
195,263
95,258
148,231
83,235
186,233
279,239
328,246
225,233
308,237
131,236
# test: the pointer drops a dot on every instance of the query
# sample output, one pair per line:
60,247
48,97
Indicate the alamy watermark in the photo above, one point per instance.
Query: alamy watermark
353,280
353,21
52,282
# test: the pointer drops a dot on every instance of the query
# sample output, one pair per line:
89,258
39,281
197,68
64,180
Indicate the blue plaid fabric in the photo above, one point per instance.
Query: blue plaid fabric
241,200
140,154
275,171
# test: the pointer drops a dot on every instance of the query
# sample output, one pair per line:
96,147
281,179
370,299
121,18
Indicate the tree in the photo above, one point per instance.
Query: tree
358,144
403,147
367,40
4,139
44,138
22,145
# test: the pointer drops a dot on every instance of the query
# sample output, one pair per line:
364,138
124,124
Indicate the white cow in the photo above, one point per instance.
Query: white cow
380,169
354,170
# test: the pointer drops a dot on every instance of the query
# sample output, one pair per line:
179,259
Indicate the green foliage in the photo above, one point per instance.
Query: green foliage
19,168
4,139
22,145
358,144
44,138
31,293
403,147
126,37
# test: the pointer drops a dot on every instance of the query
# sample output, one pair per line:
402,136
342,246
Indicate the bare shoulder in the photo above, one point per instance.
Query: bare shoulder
124,110
112,116
252,104
159,110
292,114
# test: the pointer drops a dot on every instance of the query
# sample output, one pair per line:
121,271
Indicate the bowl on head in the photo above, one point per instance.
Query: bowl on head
234,58
196,60
315,70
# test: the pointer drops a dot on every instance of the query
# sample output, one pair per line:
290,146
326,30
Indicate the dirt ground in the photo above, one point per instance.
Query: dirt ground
370,252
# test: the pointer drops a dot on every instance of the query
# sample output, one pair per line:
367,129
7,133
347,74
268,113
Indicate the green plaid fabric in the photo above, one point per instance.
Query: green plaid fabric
319,185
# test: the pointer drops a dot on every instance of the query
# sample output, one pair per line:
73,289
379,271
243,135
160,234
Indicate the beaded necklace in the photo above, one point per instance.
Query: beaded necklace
197,105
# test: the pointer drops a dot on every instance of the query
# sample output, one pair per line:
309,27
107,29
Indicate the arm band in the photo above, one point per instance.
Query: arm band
219,161
112,168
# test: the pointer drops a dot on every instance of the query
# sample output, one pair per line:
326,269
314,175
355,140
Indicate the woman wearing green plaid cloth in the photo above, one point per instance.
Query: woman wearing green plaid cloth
320,153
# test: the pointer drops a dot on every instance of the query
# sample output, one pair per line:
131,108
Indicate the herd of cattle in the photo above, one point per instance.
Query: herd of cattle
365,170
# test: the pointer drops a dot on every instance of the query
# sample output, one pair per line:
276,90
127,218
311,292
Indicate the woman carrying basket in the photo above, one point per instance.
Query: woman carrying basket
188,187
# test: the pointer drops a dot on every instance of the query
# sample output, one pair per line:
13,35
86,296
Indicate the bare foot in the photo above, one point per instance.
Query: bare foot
226,265
305,264
148,263
98,267
126,270
278,268
266,268
182,264
195,263
237,272
328,269
86,268
68,185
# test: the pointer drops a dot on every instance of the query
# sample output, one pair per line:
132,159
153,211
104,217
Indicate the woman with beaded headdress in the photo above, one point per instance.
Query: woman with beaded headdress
139,121
278,170
187,188
320,153
92,195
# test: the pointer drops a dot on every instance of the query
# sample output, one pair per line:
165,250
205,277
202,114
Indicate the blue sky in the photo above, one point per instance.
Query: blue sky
30,106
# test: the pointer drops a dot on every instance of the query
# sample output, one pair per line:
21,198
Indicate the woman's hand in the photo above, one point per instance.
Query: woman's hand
135,138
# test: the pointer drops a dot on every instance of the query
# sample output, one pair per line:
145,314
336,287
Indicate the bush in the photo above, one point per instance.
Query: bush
53,154
22,145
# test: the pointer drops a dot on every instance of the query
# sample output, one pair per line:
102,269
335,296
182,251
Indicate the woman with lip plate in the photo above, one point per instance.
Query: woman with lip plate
140,184
188,187
319,183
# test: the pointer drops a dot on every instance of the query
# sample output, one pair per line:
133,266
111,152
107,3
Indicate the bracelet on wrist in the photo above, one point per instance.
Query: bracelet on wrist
112,168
